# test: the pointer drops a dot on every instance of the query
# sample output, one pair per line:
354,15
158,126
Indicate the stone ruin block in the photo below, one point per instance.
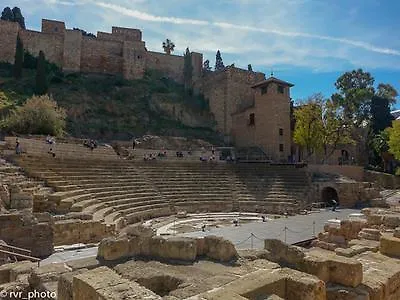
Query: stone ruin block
283,253
11,272
271,284
104,284
64,287
185,249
177,248
390,245
219,249
113,248
381,276
45,277
323,264
19,199
338,292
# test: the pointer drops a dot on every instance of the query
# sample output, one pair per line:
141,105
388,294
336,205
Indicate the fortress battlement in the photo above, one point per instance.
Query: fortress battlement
121,52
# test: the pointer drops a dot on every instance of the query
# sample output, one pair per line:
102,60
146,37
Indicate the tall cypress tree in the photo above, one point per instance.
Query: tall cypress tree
188,70
19,58
18,17
7,15
219,65
41,78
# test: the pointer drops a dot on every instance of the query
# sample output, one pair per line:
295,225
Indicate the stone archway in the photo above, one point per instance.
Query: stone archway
328,194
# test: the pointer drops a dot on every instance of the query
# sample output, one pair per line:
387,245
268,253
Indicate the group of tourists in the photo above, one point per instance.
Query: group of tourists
92,144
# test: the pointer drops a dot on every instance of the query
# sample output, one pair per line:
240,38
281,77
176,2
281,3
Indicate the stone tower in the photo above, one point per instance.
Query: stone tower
266,123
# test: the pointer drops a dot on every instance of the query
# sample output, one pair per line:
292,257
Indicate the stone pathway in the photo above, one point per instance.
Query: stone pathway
70,255
299,228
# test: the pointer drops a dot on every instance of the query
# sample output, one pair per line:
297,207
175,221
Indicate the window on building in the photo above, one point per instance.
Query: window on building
281,89
139,57
264,90
55,29
281,131
280,147
252,120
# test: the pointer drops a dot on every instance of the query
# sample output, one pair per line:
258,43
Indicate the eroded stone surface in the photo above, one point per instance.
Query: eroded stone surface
104,283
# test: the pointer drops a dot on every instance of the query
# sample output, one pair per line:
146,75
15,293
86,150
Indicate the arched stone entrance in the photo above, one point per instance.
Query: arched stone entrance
328,194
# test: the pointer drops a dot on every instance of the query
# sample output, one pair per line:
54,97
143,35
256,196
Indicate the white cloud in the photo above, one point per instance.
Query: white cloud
148,17
274,36
153,18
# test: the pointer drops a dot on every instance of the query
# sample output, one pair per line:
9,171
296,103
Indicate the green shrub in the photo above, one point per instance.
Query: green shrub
39,115
6,69
398,171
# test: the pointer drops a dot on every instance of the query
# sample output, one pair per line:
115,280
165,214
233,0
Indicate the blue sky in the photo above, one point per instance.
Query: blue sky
307,42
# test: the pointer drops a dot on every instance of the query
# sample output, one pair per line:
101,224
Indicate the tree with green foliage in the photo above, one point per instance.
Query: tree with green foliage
355,90
19,58
41,75
388,92
219,64
381,117
319,127
7,15
394,139
308,126
18,17
187,70
206,66
39,115
84,33
168,46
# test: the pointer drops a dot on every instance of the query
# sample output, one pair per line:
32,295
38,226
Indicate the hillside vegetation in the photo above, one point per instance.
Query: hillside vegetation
109,107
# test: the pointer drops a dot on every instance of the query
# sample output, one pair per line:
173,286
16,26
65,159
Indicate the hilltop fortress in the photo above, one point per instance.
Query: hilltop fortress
249,109
120,52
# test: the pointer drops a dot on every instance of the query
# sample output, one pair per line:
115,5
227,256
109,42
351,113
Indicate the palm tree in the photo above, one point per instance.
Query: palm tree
168,46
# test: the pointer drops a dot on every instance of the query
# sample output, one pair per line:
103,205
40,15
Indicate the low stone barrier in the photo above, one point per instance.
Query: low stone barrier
333,268
73,231
104,283
271,284
176,248
23,230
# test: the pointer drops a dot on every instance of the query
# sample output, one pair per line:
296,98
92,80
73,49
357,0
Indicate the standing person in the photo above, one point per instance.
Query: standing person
334,204
133,144
17,146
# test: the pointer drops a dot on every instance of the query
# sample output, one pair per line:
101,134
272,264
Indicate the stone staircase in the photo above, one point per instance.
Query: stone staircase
39,147
266,188
121,192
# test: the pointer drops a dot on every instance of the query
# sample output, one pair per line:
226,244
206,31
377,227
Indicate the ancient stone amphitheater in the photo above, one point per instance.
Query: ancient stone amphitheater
100,199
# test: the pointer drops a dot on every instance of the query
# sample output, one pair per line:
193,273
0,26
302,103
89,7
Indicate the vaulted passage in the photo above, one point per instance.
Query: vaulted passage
329,194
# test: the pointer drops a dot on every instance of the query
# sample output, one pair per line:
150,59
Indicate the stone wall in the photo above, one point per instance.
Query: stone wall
384,180
104,283
100,56
51,44
120,52
349,193
8,40
177,248
127,34
168,64
73,231
72,51
134,59
227,91
24,231
53,27
354,172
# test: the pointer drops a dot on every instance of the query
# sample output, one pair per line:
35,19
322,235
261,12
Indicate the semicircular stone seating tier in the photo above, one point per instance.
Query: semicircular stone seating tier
123,192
